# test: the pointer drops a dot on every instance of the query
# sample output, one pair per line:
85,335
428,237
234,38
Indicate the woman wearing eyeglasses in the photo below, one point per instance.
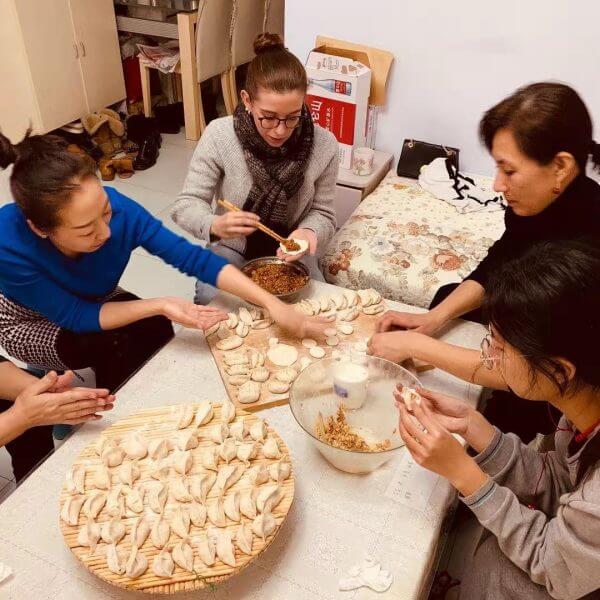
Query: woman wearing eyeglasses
269,160
540,510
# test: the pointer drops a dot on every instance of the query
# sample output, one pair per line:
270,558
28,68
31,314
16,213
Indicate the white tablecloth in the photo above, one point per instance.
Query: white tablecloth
397,513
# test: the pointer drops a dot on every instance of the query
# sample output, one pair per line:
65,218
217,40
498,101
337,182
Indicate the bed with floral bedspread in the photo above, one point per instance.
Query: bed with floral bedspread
406,243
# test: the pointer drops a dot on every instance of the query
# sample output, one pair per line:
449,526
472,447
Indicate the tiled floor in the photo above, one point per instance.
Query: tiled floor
147,276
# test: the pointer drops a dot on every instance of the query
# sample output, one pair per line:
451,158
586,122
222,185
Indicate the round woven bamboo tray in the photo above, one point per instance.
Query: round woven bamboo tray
158,423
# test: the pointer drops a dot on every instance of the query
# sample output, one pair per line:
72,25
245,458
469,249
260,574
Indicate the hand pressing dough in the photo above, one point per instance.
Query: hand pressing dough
249,392
279,387
346,328
373,309
260,374
308,342
212,329
315,305
333,340
182,461
317,352
283,355
209,459
230,343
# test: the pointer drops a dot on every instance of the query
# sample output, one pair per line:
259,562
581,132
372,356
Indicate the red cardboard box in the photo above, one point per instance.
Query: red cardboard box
338,97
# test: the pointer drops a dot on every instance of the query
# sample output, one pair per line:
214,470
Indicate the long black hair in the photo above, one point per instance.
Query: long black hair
44,175
545,118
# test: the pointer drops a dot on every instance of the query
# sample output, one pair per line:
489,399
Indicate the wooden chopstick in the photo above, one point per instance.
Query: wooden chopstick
226,204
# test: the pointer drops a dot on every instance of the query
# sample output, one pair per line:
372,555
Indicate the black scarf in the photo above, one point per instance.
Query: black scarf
277,173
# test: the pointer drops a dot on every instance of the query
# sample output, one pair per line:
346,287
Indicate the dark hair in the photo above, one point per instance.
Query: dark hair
545,304
545,119
274,67
44,175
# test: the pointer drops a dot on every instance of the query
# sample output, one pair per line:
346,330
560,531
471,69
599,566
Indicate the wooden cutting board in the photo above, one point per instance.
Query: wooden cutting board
158,423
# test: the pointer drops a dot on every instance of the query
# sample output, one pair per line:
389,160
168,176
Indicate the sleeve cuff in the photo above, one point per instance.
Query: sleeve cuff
487,502
496,456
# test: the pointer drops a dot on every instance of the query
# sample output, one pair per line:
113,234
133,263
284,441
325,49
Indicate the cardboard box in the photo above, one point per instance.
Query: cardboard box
338,98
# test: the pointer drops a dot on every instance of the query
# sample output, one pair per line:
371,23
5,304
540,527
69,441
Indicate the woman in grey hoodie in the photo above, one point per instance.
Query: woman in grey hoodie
541,509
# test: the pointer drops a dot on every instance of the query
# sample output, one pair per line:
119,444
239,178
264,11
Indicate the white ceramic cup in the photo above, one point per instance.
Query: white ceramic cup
362,161
350,383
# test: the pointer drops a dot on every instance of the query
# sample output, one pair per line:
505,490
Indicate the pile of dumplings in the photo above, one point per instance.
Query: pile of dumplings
246,367
191,500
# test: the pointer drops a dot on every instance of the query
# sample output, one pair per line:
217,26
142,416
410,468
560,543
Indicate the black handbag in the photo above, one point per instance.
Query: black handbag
416,154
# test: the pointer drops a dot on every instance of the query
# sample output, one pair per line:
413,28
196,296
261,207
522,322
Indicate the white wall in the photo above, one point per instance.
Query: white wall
455,59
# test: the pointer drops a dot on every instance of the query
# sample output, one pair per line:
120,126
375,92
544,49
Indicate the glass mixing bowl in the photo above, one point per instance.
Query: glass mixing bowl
313,395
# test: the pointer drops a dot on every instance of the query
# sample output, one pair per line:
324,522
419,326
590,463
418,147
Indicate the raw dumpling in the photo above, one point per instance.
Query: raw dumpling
232,321
187,440
346,328
258,430
349,314
244,537
134,499
182,461
198,514
115,559
245,316
159,448
283,355
230,343
180,490
309,342
71,509
264,525
112,456
231,506
238,380
94,504
339,301
249,392
185,415
228,450
236,358
260,374
225,549
89,535
286,375
137,564
160,469
135,445
200,486
157,497
207,548
183,555
223,332
248,502
242,330
278,387
216,513
226,477
238,370
375,309
102,478
140,530
324,303
218,433
129,472
247,451
113,531
204,413
268,498
160,532
209,458
104,443
180,523
76,480
280,471
270,448
115,503
227,411
163,565
238,430
351,297
212,329
258,474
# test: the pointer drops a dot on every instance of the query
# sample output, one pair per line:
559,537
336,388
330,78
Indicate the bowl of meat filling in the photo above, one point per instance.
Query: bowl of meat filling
286,280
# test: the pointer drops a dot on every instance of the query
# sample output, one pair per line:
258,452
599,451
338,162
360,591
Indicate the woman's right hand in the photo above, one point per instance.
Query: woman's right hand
427,323
38,405
234,224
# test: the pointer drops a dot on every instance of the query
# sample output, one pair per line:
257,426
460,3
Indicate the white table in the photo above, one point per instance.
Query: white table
335,519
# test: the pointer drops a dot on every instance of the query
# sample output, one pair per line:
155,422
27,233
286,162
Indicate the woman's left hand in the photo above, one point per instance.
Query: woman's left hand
436,449
300,234
191,315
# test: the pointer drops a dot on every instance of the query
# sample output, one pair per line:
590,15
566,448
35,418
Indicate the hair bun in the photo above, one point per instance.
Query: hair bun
8,152
268,42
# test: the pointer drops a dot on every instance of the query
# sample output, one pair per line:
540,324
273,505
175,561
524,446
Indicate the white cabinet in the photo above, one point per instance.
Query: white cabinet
61,58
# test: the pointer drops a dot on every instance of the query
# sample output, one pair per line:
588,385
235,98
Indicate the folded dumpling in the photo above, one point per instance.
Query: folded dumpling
159,448
137,564
258,475
163,565
180,523
71,509
247,451
187,440
115,502
231,506
75,479
160,533
104,443
135,445
157,497
264,525
140,530
134,498
197,514
89,535
258,430
184,416
94,504
200,485
280,471
270,448
113,531
182,461
218,433
244,537
207,548
216,512
248,502
239,430
183,555
160,469
102,478
129,472
180,490
268,498
204,413
209,458
115,559
225,549
227,411
112,455
226,477
228,450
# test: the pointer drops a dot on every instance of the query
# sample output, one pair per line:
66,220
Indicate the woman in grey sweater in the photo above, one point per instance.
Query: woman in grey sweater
541,509
269,160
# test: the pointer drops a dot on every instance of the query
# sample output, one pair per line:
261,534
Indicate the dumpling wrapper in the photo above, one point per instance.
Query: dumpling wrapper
200,486
183,555
163,565
137,564
204,413
160,533
264,525
283,355
71,509
184,416
113,531
270,448
180,523
244,537
135,445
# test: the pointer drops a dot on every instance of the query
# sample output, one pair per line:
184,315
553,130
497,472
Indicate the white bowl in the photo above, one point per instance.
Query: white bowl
377,420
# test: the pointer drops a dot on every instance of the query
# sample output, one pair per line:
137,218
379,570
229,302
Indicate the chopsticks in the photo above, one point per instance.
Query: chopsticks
227,205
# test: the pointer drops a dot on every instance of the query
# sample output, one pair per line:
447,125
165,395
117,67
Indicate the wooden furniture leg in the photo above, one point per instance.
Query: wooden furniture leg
233,88
146,93
226,93
194,116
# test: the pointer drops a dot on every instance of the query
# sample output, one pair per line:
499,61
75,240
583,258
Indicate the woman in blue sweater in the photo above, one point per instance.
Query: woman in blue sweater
64,245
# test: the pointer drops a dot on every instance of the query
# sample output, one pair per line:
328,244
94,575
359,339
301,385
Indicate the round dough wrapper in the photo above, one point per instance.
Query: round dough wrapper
283,355
309,342
317,352
303,247
330,332
332,340
346,328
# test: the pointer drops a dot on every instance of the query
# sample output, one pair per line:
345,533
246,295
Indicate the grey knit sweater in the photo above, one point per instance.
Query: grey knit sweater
218,170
